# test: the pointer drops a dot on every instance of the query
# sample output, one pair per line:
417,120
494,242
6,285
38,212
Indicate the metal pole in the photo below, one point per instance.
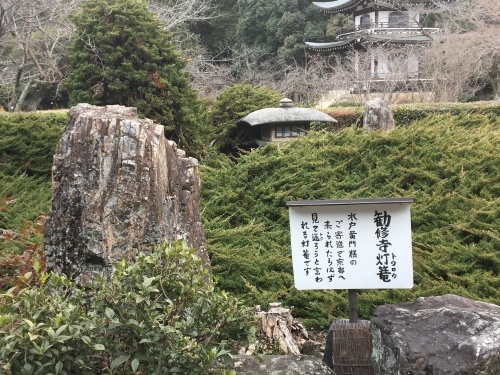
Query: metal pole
353,305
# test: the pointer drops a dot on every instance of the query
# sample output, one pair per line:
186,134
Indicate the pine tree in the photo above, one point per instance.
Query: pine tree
123,56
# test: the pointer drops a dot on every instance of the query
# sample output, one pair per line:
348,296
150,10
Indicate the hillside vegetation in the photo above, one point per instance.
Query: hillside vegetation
448,164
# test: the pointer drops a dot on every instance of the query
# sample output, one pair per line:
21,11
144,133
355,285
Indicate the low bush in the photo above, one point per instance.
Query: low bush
159,315
407,113
24,201
346,117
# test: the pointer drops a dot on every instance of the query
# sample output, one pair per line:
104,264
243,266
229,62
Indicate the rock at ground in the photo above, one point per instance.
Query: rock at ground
446,335
377,115
119,188
280,365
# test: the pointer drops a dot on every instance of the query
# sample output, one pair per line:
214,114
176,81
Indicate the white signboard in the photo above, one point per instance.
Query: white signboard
351,244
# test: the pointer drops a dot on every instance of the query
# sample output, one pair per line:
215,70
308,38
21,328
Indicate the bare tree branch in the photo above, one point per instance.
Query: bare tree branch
33,36
176,12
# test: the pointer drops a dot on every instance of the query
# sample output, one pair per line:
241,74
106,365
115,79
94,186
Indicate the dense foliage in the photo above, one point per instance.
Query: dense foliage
278,27
159,315
130,60
448,164
27,144
23,202
28,141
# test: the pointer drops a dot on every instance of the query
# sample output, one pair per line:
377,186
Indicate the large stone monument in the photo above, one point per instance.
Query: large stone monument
119,188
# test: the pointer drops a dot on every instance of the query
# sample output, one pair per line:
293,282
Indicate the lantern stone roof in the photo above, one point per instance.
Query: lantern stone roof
285,113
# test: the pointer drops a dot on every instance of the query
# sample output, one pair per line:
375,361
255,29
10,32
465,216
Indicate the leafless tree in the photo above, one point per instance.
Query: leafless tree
209,74
305,84
463,57
33,37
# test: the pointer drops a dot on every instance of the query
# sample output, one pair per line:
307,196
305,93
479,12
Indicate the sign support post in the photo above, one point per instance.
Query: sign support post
352,295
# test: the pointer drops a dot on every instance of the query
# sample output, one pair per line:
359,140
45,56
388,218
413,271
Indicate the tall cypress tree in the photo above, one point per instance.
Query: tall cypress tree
123,56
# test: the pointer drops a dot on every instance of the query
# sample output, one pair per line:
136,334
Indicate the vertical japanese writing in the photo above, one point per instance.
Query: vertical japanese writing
351,246
353,251
330,267
316,238
305,247
339,244
386,259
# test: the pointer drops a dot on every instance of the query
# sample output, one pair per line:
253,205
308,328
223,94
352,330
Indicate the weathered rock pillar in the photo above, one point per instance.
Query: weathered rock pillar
377,116
119,187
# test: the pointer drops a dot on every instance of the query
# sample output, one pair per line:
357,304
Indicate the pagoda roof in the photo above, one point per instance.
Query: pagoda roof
332,45
285,113
343,5
400,38
337,5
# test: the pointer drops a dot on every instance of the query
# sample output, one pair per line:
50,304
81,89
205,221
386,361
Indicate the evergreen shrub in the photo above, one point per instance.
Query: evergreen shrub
21,226
346,117
126,57
27,144
158,315
448,164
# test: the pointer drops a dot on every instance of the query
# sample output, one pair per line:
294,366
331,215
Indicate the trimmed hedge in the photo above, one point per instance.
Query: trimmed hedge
405,114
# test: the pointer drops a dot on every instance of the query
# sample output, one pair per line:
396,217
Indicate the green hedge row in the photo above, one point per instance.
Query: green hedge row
405,114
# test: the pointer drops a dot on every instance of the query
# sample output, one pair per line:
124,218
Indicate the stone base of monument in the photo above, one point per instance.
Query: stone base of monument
348,348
